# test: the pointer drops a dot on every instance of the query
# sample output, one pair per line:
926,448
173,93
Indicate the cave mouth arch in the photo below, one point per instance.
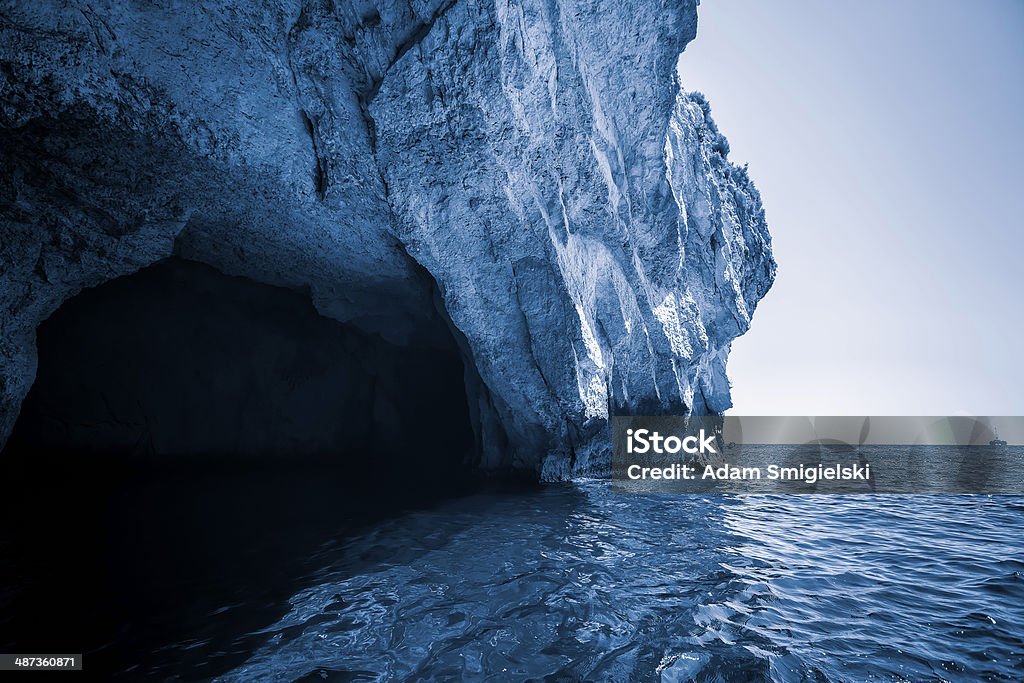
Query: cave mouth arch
179,364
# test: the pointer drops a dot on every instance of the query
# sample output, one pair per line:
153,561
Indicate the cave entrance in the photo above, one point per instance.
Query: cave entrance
193,440
181,363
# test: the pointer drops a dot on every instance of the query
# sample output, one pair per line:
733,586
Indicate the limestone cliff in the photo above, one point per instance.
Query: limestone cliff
527,174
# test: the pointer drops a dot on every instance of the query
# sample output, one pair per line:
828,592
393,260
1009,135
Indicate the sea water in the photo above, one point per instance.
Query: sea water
578,582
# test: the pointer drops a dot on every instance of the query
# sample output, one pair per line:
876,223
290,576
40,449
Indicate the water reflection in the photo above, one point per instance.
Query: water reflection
580,583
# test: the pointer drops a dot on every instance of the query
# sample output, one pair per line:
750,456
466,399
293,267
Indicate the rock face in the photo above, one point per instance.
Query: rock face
527,175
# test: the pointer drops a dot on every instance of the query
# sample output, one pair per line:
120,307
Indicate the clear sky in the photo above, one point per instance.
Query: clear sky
886,139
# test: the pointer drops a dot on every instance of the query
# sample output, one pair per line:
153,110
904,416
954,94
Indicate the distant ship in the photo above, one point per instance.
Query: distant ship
997,441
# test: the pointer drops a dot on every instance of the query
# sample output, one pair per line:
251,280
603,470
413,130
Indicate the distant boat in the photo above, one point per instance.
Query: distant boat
997,441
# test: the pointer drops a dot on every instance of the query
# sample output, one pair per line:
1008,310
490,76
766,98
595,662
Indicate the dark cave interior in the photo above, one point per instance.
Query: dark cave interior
181,361
190,429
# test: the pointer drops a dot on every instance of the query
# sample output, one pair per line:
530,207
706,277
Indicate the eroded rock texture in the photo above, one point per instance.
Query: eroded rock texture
526,173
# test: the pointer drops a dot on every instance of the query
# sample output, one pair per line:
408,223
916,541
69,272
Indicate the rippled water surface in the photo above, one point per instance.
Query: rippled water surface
580,583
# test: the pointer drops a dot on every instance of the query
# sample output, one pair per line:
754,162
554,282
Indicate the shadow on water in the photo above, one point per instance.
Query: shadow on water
173,570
